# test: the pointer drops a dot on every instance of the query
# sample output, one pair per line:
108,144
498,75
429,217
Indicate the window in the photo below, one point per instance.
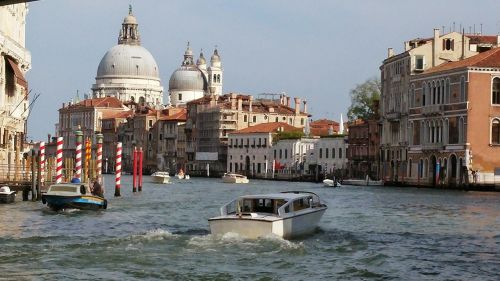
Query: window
180,96
495,131
275,154
340,152
277,120
419,62
333,152
281,154
286,153
326,153
254,118
462,89
495,93
302,121
245,118
321,153
448,44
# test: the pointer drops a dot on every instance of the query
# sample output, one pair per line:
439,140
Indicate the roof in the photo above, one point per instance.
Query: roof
490,58
483,39
180,115
322,127
268,128
108,102
116,115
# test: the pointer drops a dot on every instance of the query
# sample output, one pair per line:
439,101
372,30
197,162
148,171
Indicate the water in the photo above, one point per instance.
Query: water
368,233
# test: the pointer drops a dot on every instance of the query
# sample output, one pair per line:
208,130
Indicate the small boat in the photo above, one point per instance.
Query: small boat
160,177
331,183
288,215
72,196
234,178
6,195
182,176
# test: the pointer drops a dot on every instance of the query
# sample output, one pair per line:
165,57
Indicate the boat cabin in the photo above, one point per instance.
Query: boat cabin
276,204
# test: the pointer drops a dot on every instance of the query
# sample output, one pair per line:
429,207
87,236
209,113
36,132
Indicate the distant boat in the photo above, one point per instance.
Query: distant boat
331,183
6,195
182,176
160,177
72,196
363,182
234,178
287,214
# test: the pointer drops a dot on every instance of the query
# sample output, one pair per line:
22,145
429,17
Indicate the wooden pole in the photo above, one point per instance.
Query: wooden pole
39,177
134,169
33,177
140,168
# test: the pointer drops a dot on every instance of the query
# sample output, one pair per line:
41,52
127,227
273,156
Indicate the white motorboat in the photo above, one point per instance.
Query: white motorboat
234,178
160,177
287,215
331,183
6,195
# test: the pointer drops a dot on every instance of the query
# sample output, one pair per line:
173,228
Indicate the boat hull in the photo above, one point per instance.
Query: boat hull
160,179
7,198
235,180
83,202
330,183
254,227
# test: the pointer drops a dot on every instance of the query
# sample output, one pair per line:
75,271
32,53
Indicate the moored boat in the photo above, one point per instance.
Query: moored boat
331,183
288,215
363,182
234,178
72,196
6,195
160,177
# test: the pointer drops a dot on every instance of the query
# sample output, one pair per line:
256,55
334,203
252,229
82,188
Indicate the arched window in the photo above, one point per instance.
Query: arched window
321,153
424,93
218,78
438,98
495,131
495,91
447,90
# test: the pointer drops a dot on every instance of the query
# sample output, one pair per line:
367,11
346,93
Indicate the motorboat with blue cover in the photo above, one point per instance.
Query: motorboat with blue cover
72,196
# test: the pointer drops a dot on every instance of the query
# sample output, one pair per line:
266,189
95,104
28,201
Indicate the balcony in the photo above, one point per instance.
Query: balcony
433,146
456,106
433,110
393,116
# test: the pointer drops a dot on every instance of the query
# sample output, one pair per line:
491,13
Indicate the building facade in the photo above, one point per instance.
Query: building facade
419,55
15,61
454,122
364,149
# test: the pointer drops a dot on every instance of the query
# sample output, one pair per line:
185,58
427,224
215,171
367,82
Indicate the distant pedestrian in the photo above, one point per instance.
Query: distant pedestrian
75,178
97,188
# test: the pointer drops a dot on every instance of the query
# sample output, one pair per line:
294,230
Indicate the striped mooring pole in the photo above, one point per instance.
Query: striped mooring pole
118,168
59,154
42,162
99,138
78,165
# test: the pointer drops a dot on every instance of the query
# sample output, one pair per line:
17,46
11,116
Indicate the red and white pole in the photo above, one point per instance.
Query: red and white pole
59,155
118,168
134,173
78,164
42,162
140,152
99,138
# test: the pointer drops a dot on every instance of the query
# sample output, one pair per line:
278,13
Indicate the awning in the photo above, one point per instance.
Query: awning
18,73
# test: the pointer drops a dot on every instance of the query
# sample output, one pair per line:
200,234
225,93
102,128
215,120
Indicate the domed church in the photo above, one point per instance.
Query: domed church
128,71
192,81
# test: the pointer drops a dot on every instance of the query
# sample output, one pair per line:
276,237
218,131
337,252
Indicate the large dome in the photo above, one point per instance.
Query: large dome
187,78
128,60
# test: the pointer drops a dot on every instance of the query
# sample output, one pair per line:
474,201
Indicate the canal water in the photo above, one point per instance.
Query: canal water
162,233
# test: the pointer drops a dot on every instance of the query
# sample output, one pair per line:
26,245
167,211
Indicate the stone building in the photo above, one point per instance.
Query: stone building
15,61
171,140
128,71
419,55
454,122
210,119
87,115
364,149
193,81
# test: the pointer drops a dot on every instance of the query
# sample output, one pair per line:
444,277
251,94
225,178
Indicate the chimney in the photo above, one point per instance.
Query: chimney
305,106
240,104
232,98
48,138
63,105
498,40
158,113
289,101
250,103
297,106
407,46
390,52
435,45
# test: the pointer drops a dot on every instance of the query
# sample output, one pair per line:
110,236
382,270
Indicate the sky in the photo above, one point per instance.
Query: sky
317,50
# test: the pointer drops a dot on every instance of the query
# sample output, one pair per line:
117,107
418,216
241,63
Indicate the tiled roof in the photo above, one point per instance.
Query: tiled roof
489,58
115,115
268,128
485,39
100,102
181,115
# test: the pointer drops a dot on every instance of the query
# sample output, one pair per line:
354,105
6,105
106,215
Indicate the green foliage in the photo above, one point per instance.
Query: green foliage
363,98
290,135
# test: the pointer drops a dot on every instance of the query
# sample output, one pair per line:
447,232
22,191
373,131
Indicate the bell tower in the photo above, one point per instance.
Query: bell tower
215,77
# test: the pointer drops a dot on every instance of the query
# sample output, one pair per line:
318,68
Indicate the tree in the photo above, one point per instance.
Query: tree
363,98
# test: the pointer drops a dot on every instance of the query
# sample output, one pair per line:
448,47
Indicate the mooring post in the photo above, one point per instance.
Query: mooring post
99,138
140,168
134,170
33,177
78,139
39,177
59,154
118,168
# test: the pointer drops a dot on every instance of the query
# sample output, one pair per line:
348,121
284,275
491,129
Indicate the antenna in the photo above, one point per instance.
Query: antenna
453,26
443,28
481,32
474,28
470,29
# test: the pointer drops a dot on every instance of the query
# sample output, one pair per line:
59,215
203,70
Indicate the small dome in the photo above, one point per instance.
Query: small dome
128,60
187,78
215,57
130,19
201,60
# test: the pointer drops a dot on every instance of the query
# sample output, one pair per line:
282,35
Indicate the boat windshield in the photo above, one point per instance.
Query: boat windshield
63,188
262,205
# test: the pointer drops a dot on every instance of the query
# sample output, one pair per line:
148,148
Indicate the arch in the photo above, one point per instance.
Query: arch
461,173
438,91
409,167
433,170
461,130
448,91
142,100
247,165
463,94
453,169
495,131
442,92
495,91
425,169
424,92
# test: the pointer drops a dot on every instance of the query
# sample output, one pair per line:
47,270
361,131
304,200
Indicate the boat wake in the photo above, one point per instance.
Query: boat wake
156,234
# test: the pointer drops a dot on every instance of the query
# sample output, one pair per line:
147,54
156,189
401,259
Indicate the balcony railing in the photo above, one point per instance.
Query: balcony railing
393,115
433,109
433,146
